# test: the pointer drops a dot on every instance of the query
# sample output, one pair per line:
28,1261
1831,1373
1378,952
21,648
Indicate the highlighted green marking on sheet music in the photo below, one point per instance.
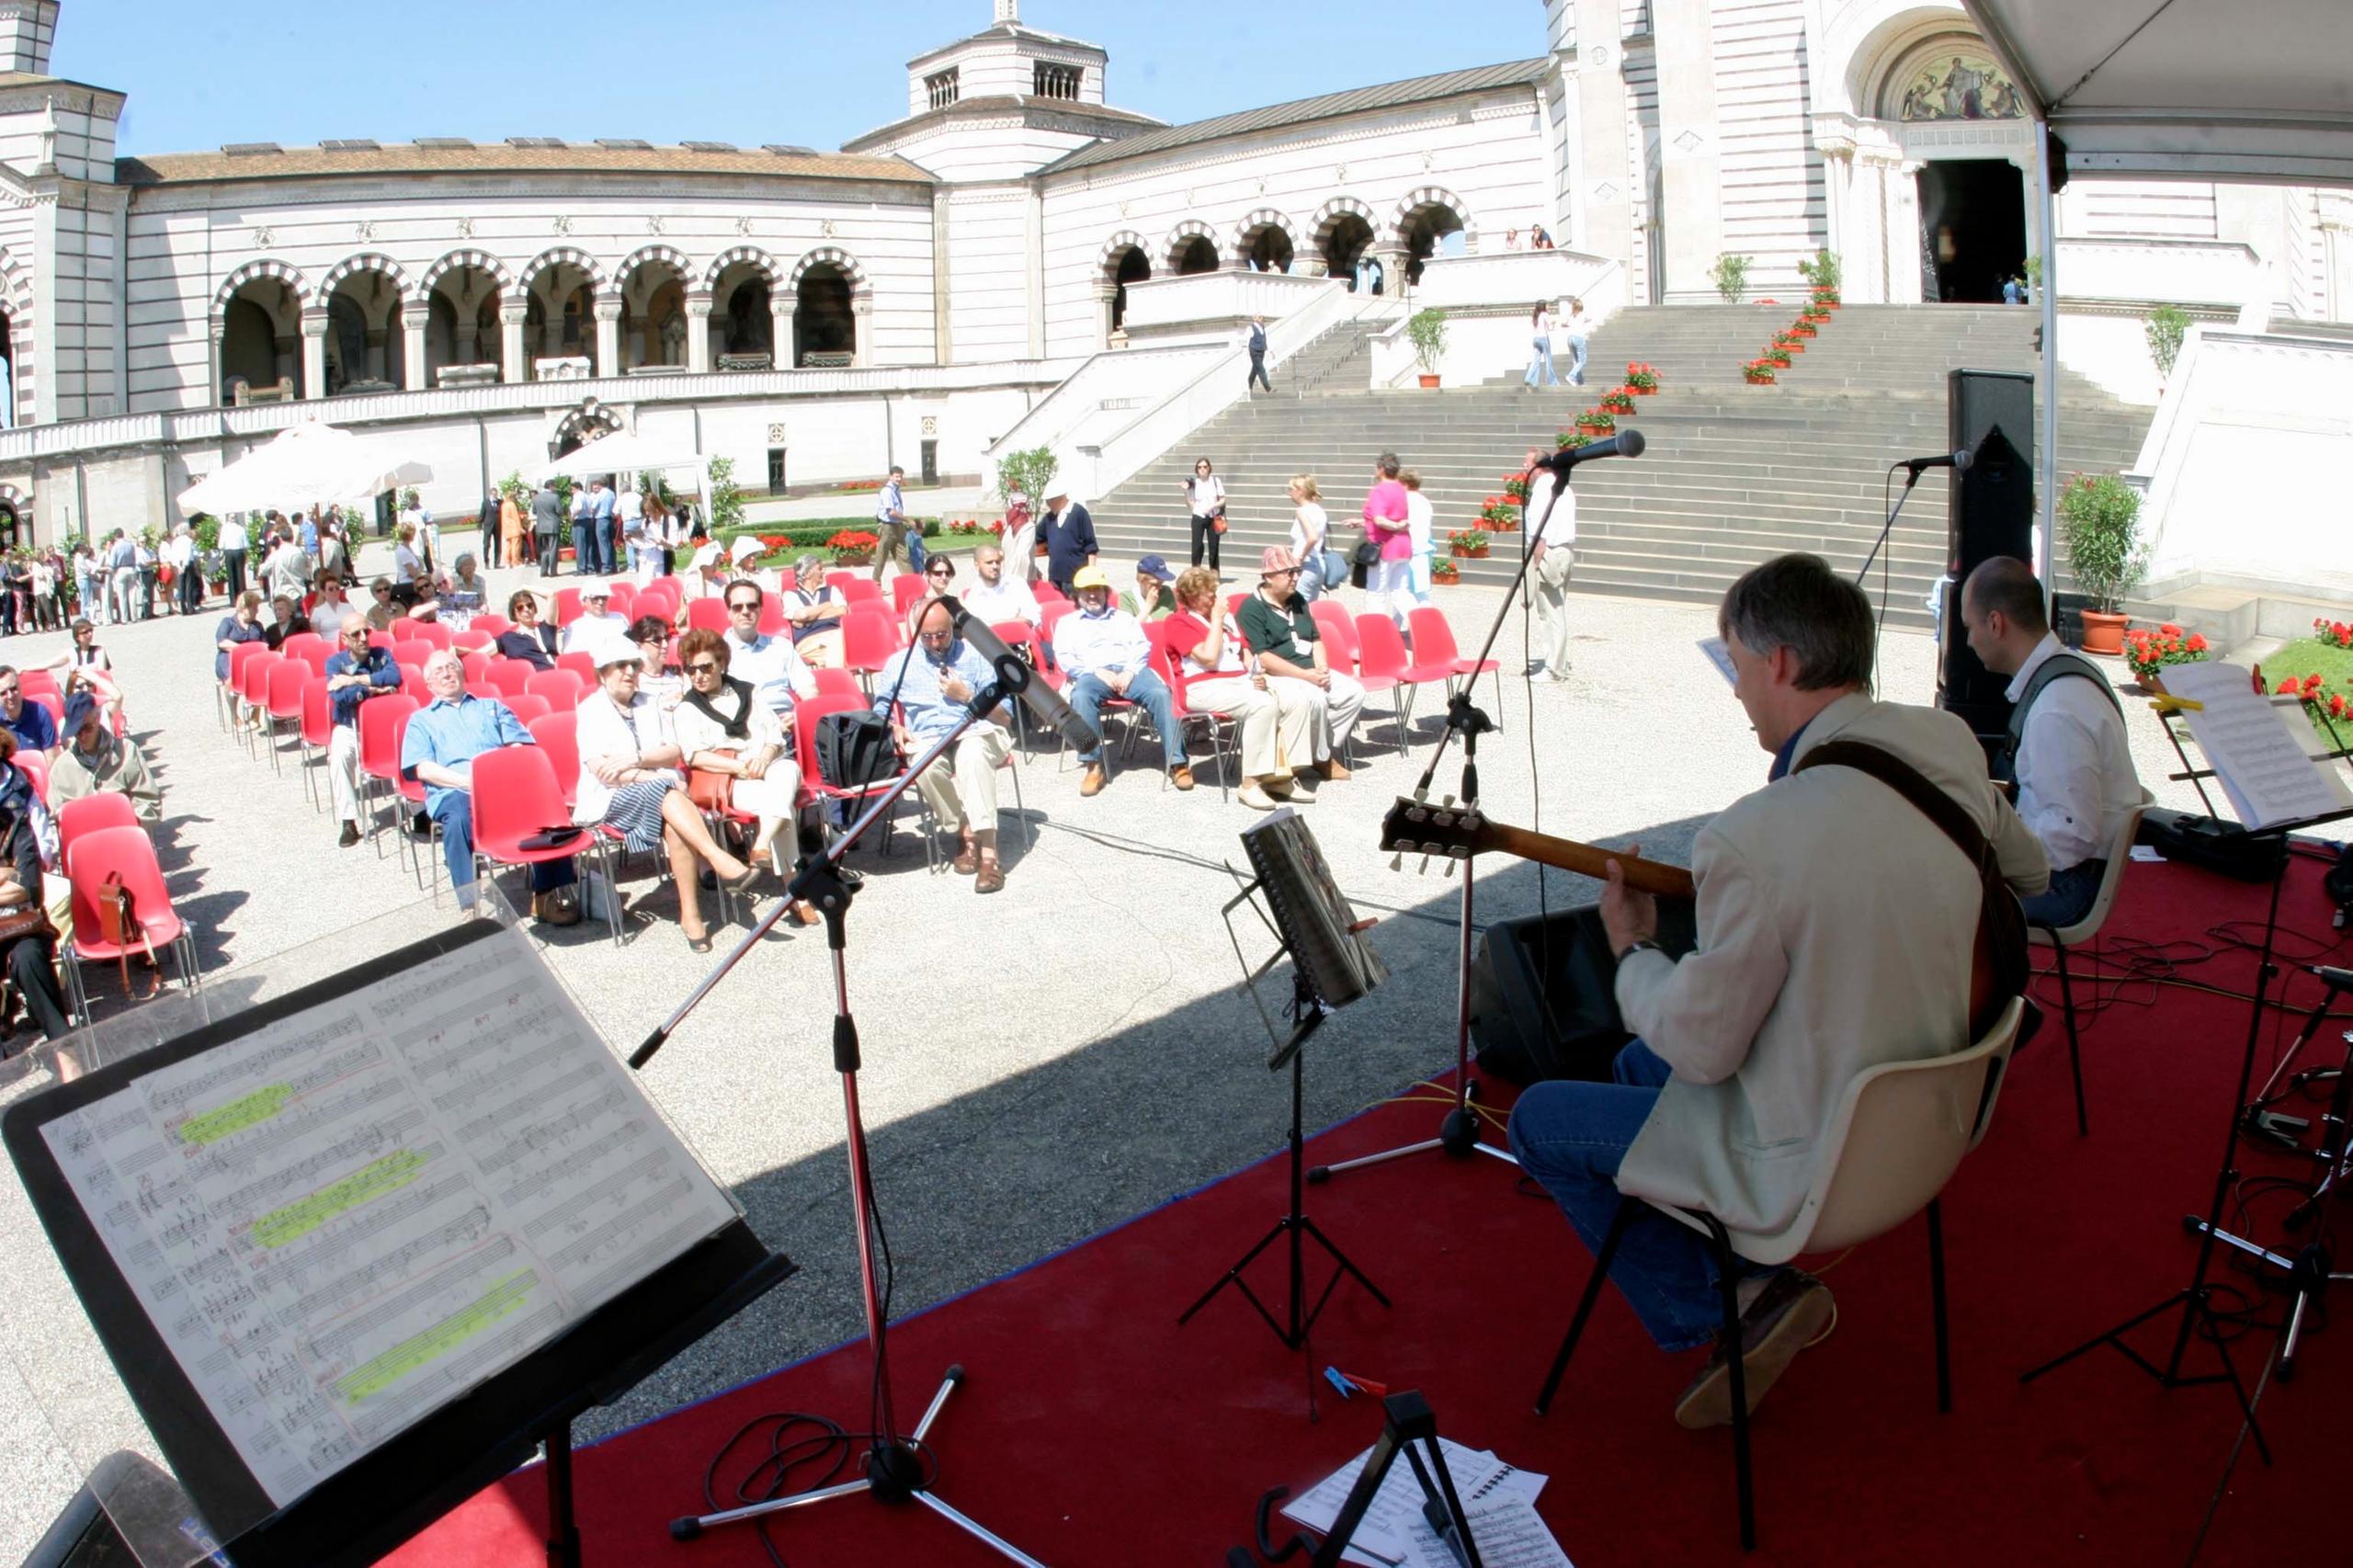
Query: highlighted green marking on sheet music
383,1370
245,1111
365,1185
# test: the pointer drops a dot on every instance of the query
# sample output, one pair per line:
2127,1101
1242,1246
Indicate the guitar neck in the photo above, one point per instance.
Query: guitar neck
1644,876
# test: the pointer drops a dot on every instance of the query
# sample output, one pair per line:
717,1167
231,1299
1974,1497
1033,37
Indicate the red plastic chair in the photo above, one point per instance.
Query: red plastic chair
33,682
35,767
511,677
1225,730
624,601
858,590
580,663
869,640
411,798
1045,592
515,795
656,600
51,701
567,605
837,582
771,616
282,700
562,689
558,734
225,692
1049,615
1381,651
496,625
1234,603
526,708
787,579
707,615
385,641
302,644
252,687
93,813
472,640
431,632
477,668
381,717
836,683
1434,644
316,731
1333,619
906,589
814,788
412,685
110,854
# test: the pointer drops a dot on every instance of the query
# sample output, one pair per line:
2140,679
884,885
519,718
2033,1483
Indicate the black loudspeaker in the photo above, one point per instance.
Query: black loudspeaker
1991,417
1541,1004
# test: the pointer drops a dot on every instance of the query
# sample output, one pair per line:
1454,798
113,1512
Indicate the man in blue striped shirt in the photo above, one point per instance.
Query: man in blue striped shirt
934,683
443,740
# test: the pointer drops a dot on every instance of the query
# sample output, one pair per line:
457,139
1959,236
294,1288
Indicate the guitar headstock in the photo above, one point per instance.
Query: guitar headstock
1415,826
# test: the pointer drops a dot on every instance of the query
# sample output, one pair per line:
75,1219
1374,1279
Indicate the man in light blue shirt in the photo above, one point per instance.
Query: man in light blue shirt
891,524
443,740
1106,654
934,683
778,676
600,526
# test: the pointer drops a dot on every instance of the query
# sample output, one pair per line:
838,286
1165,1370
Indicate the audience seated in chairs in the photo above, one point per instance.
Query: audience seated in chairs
1105,652
939,580
30,722
994,598
813,613
933,680
532,638
444,737
356,672
326,607
242,624
661,682
28,961
95,759
1275,721
771,664
1281,628
285,620
724,729
630,781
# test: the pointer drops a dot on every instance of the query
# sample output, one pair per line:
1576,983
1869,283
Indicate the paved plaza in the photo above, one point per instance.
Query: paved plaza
1040,1064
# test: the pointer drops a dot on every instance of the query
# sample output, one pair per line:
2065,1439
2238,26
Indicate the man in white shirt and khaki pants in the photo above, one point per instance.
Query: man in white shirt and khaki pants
1553,558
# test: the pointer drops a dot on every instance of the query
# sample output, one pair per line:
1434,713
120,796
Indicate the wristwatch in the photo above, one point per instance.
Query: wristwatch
1641,945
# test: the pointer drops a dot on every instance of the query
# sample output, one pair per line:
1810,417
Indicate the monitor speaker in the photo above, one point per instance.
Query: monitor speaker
1991,417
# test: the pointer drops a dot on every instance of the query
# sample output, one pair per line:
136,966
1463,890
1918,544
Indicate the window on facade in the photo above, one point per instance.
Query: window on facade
1057,81
942,87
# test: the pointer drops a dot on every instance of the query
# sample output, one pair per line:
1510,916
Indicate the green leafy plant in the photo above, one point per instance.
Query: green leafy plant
1426,330
2099,517
205,528
1445,571
2034,273
726,500
1731,277
1467,541
2165,327
1822,271
1029,471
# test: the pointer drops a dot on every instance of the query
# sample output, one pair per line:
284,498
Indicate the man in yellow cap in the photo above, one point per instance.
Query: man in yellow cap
1104,651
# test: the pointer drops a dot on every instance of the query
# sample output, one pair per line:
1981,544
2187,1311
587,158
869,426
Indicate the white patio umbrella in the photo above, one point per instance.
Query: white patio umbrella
628,454
306,465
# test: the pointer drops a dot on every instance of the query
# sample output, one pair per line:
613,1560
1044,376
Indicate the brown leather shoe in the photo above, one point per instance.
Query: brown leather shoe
1331,767
990,878
965,864
1181,776
1788,1314
1092,781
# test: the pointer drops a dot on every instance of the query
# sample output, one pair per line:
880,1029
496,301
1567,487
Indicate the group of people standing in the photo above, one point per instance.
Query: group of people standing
611,526
1556,335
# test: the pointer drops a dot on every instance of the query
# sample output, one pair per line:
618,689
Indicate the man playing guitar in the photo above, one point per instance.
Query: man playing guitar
1836,929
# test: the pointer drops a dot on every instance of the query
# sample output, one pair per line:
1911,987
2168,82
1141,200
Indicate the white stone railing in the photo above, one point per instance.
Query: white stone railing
1102,389
1220,299
2241,467
1489,300
2207,272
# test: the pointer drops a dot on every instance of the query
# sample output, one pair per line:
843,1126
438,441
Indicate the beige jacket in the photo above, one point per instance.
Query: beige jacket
1835,927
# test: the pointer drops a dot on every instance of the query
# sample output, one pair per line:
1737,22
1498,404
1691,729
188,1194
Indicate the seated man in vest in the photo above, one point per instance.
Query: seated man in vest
2066,751
1837,925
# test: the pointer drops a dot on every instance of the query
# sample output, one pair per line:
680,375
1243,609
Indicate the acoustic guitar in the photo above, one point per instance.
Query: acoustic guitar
1413,826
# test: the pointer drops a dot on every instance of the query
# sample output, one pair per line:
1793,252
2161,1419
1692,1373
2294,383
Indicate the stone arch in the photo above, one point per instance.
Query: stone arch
463,292
1107,260
1180,241
753,255
1258,222
589,420
351,266
1420,222
1417,202
1266,239
829,292
264,266
566,256
1345,233
653,285
1330,215
478,260
667,256
839,260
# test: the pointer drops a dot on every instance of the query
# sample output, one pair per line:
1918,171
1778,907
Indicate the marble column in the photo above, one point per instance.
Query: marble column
1106,292
861,313
314,354
1690,147
287,357
514,359
608,337
220,395
699,330
1601,218
413,320
781,354
1392,255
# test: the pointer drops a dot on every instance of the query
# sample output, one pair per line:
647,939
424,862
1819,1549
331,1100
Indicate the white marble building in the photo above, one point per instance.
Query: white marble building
818,315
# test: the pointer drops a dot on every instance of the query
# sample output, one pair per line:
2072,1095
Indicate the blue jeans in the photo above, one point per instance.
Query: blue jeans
1577,358
1572,1136
1089,692
2070,895
584,550
1543,361
455,817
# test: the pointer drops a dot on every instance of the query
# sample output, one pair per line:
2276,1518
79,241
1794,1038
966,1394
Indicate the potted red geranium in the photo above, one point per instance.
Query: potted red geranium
1470,544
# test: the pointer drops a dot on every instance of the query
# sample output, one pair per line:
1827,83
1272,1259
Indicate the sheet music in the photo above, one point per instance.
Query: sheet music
1386,1538
344,1219
1721,656
2264,764
1506,1529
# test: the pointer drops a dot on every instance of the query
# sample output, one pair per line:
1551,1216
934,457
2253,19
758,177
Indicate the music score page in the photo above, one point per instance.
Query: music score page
2261,753
344,1219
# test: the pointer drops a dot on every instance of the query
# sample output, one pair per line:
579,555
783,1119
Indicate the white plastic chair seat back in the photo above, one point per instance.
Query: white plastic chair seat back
1896,1138
2120,850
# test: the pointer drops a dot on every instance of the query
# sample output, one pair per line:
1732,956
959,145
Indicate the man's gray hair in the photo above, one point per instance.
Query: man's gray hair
1797,602
2006,583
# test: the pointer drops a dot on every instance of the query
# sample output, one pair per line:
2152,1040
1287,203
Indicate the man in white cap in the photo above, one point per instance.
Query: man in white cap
596,619
1069,535
1104,651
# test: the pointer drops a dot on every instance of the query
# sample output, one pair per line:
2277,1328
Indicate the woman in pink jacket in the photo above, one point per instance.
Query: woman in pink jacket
1386,590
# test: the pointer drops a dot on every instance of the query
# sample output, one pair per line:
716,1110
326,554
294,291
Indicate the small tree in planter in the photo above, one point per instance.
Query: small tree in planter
1729,275
1426,330
1822,275
2166,325
1028,472
2099,517
726,497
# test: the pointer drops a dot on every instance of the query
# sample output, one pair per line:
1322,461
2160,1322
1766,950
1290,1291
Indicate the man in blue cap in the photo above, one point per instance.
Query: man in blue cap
98,759
1154,599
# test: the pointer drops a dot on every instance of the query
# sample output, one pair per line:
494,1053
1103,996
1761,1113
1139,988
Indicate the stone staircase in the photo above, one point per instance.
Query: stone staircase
1734,474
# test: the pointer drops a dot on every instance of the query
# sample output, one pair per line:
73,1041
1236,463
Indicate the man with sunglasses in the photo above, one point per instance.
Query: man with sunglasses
777,674
356,672
35,727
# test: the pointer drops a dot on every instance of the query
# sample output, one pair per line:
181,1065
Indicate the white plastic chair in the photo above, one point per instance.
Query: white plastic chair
2042,935
1897,1136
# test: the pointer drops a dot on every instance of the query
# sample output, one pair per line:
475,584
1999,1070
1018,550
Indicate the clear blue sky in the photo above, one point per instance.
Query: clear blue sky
741,70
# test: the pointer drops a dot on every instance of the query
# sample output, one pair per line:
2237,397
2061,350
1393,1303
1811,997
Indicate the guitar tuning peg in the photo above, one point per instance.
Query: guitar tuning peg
1447,802
1424,869
1449,866
1397,862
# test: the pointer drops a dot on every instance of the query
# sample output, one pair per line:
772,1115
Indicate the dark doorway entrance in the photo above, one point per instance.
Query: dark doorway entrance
1972,229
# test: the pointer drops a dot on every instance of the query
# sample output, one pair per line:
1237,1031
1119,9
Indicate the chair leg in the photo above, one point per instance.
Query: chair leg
1937,1290
1728,1285
1600,1277
2074,1051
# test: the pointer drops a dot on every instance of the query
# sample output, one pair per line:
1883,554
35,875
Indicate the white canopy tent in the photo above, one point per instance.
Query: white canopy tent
626,453
307,464
2229,90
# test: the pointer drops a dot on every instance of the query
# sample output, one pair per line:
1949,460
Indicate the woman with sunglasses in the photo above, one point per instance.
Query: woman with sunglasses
724,729
531,639
939,580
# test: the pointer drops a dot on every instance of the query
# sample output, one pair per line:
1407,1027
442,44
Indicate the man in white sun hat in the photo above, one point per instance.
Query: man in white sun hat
598,619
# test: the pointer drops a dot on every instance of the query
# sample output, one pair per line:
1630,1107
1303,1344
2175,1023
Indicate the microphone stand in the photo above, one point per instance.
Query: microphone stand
1911,482
1457,1134
897,1471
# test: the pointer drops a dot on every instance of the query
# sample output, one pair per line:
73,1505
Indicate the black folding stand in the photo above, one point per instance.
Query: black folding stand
895,1468
1409,1422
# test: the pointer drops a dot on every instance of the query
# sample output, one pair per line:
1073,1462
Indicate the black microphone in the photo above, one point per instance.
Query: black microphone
1045,704
1625,444
1957,461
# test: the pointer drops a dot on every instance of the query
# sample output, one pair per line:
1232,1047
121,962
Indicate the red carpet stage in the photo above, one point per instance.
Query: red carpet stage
1092,1431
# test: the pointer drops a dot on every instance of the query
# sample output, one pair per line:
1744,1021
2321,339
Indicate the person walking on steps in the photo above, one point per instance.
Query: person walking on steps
1539,323
1258,357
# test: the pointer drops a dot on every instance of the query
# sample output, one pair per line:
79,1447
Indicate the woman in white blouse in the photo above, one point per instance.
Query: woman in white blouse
1205,495
723,727
1309,529
629,780
1274,720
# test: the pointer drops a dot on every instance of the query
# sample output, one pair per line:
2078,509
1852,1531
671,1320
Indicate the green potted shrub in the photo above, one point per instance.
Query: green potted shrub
2099,518
2166,328
1426,330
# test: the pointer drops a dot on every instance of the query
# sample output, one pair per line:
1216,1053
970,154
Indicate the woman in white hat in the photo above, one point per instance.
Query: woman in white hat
630,759
1020,539
706,578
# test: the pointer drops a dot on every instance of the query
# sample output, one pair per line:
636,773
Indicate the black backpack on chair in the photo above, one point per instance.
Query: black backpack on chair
854,750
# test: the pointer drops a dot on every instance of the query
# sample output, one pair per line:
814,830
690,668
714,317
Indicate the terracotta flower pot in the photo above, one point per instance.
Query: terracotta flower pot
2103,632
1429,381
1585,429
1453,582
854,558
1461,553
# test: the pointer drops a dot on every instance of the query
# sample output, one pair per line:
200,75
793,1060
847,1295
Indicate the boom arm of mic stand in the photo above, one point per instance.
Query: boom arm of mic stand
820,873
1911,478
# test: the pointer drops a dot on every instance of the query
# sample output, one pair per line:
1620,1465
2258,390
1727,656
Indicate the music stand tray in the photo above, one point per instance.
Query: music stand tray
356,1251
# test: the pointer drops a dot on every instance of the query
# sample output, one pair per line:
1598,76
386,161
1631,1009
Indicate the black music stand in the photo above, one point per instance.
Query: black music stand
1330,967
388,1493
2194,1299
1408,1422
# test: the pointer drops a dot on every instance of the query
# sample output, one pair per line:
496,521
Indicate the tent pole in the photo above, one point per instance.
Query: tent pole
2049,302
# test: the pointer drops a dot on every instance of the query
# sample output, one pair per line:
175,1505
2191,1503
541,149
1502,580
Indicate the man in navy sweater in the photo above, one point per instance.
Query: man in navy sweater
1068,534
